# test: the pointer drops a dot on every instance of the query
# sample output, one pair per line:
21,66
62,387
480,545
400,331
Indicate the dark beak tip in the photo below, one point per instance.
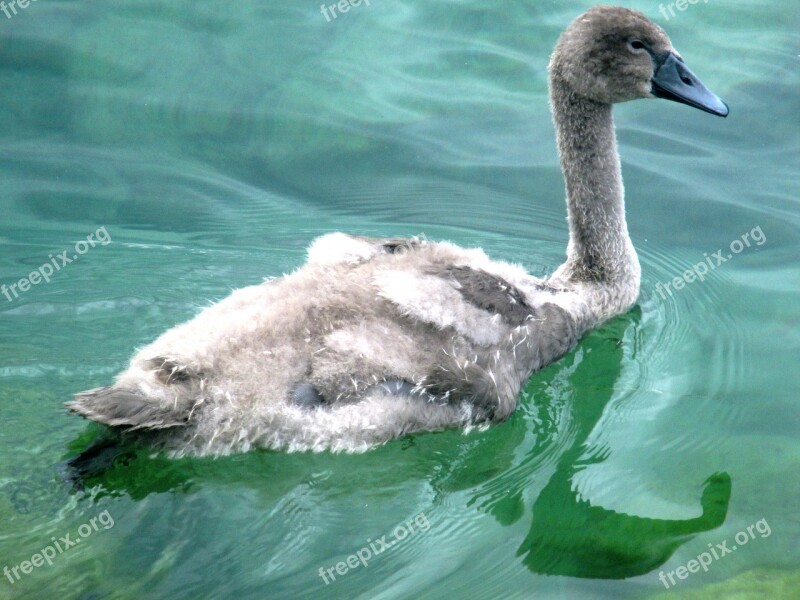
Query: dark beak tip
723,110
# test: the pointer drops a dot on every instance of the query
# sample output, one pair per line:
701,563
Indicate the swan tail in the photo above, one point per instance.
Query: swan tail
123,407
157,393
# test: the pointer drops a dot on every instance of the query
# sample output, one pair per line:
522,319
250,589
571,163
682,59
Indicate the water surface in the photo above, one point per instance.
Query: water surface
213,141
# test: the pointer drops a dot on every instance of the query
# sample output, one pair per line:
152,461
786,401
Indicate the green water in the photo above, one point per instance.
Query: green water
214,140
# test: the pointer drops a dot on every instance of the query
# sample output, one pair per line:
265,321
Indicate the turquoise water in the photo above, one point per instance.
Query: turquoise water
210,142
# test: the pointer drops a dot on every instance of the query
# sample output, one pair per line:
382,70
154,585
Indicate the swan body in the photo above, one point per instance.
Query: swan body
376,338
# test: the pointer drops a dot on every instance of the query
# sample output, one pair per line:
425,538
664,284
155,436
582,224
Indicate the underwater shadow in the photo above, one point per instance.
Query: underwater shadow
99,461
568,535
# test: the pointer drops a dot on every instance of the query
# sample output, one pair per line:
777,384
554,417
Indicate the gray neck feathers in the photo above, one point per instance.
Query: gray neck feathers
599,249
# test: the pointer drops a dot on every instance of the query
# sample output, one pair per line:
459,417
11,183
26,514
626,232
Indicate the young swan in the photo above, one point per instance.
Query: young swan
376,338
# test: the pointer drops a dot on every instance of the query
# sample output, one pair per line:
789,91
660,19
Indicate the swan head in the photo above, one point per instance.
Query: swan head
612,54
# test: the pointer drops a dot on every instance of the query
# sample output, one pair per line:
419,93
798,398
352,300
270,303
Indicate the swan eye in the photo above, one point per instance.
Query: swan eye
636,46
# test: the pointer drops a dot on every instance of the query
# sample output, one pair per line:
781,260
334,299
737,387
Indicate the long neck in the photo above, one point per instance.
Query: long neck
599,248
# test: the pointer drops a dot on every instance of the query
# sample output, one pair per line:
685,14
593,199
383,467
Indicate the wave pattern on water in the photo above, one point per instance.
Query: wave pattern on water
215,142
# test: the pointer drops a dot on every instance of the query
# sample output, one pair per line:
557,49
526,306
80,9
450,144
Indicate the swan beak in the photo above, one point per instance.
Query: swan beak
675,81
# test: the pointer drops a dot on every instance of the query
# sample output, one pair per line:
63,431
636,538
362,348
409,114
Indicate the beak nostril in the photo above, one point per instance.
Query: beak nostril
687,80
